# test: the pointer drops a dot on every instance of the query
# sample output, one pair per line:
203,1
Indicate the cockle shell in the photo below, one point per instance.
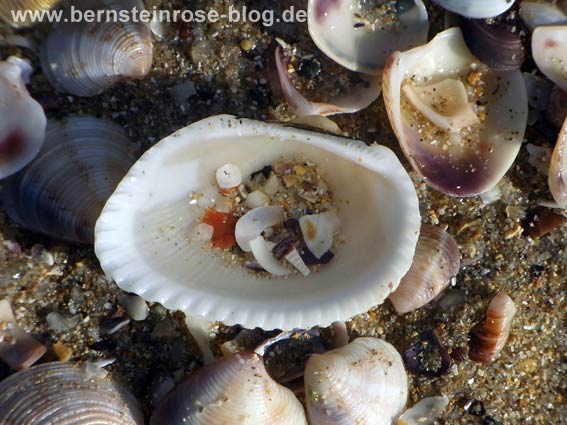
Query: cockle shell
361,383
479,9
85,59
233,390
142,243
22,120
558,169
549,50
62,192
9,7
457,161
65,394
341,29
437,260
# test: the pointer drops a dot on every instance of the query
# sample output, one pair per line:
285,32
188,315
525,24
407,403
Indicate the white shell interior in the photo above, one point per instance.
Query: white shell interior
141,237
549,49
334,30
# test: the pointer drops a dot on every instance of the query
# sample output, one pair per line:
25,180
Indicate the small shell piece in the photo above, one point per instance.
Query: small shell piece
318,231
549,50
360,35
479,9
235,389
558,169
61,193
362,383
436,261
85,59
425,412
8,9
361,97
18,349
452,153
487,340
254,222
65,394
265,259
228,177
22,120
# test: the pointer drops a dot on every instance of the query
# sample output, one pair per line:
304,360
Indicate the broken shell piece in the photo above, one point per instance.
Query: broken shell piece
18,349
549,50
540,13
479,9
319,230
456,160
436,261
558,169
234,389
488,340
265,259
228,177
9,9
296,261
360,35
361,97
257,199
202,232
22,120
254,222
364,383
425,412
142,243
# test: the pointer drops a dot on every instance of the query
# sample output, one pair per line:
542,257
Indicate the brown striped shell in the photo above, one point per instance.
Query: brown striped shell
9,7
436,261
65,394
488,339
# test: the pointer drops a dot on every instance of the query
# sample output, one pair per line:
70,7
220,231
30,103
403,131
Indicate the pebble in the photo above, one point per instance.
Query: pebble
247,45
63,352
135,306
59,323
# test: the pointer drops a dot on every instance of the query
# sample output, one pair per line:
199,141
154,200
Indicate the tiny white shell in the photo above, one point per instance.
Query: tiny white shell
229,176
319,230
141,235
362,383
425,412
264,257
479,9
22,120
558,169
549,50
254,222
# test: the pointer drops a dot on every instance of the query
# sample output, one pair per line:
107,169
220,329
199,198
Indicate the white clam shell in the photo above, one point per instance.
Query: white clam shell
65,394
62,192
479,9
22,120
334,29
234,390
141,235
549,50
9,7
454,167
558,169
85,59
361,383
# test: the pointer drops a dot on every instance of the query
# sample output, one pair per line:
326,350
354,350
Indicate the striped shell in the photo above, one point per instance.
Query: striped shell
142,234
8,7
22,120
62,192
86,59
233,390
362,383
435,262
65,394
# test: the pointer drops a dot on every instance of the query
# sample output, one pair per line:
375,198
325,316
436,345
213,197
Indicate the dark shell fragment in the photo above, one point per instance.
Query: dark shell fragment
541,221
428,356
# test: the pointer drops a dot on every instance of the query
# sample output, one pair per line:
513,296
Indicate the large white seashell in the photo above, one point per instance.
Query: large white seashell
62,192
142,243
22,120
558,169
233,390
437,260
85,59
479,9
65,394
336,28
362,383
450,160
8,9
549,49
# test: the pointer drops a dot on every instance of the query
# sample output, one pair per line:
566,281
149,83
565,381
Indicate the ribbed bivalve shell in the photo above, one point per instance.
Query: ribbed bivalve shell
62,192
234,390
9,7
85,59
65,394
362,383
